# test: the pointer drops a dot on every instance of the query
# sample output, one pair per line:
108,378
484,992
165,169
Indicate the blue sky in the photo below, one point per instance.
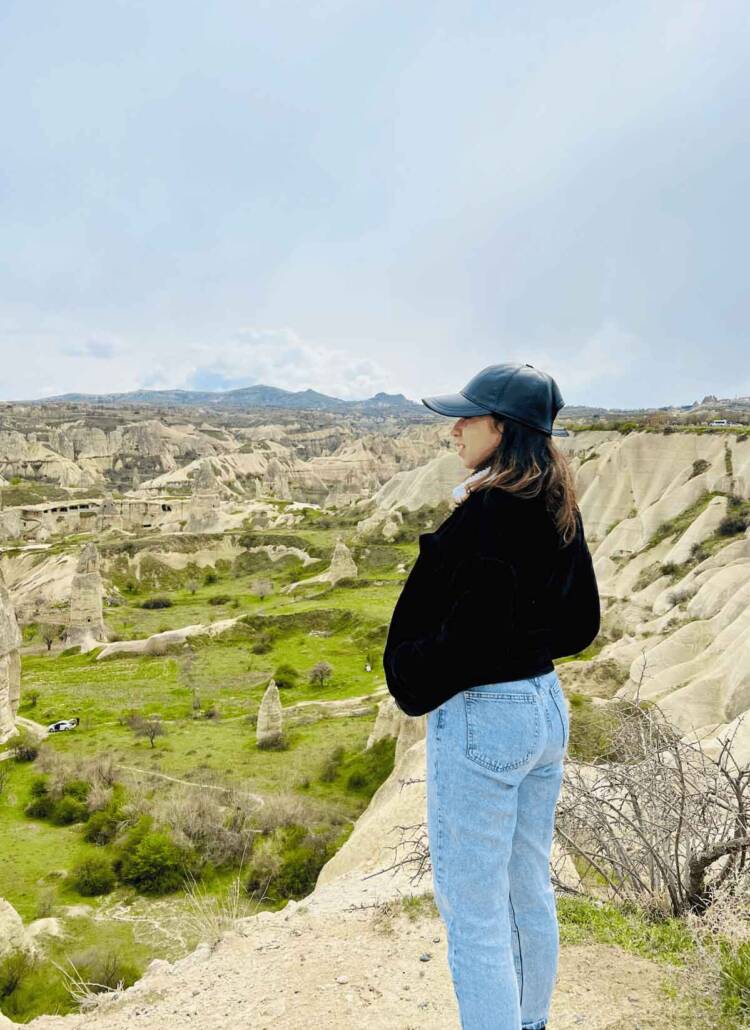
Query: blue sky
361,196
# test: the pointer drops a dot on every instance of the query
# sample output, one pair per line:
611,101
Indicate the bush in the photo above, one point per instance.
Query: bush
289,864
102,826
40,807
592,729
332,764
93,876
157,602
13,970
263,644
218,599
152,862
286,676
68,810
78,789
370,768
104,970
210,578
732,524
25,748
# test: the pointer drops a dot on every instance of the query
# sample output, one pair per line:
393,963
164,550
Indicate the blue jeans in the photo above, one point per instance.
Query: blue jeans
494,771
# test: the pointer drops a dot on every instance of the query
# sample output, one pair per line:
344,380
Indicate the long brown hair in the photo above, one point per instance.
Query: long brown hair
527,462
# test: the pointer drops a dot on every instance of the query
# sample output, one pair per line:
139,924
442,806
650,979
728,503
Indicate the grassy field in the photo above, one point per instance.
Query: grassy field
207,696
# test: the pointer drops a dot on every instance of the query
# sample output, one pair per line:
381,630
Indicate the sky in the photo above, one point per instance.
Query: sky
364,195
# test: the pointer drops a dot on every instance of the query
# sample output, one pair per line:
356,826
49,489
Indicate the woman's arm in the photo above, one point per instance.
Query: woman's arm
422,673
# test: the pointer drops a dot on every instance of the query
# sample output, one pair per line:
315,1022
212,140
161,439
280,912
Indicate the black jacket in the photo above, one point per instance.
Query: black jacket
493,596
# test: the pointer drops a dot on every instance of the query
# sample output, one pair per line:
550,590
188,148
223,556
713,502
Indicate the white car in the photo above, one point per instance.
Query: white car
62,724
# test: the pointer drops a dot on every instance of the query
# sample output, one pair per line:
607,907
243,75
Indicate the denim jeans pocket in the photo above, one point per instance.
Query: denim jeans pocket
502,729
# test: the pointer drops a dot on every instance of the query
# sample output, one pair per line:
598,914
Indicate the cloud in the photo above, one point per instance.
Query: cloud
102,350
279,357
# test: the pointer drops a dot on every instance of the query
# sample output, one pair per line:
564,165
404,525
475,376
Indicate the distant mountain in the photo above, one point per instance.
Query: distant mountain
246,398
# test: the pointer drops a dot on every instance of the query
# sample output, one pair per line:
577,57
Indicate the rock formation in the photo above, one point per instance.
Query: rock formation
205,500
10,665
392,722
86,619
342,566
268,730
109,516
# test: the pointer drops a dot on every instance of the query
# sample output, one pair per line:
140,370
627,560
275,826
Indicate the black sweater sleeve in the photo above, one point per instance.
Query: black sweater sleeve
467,643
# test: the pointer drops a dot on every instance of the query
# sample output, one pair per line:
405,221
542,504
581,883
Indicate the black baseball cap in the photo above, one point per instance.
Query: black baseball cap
516,391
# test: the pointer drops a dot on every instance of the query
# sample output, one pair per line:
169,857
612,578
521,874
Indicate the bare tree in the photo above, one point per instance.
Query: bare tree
150,728
662,824
262,588
320,674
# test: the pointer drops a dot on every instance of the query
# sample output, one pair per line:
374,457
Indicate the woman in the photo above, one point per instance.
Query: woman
499,590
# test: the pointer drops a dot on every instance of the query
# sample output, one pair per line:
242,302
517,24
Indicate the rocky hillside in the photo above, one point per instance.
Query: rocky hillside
667,517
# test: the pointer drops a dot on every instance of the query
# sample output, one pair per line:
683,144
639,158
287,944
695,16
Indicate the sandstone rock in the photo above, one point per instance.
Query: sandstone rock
86,620
12,933
10,665
269,726
342,566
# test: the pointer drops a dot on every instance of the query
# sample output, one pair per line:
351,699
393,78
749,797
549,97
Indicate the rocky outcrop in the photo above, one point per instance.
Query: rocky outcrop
269,728
342,566
86,618
10,666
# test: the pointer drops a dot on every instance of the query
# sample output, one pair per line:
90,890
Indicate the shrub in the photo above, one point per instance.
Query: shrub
210,578
69,810
93,876
370,768
287,865
263,644
40,807
102,826
332,764
218,599
14,968
25,748
157,602
103,970
152,862
286,676
732,523
78,789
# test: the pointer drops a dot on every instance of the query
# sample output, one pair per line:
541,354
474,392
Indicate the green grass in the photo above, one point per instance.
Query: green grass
588,922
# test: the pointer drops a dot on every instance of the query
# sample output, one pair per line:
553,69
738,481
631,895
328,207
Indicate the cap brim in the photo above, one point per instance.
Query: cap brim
455,405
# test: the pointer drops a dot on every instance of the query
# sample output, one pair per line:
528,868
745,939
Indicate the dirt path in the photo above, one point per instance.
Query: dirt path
300,969
190,783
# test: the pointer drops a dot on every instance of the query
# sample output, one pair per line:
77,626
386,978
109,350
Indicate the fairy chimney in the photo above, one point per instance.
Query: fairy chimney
269,727
86,619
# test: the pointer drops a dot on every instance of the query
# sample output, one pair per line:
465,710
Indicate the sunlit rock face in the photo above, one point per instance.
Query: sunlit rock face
86,619
10,664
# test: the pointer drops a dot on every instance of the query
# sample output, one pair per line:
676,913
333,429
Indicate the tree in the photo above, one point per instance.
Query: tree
150,728
262,588
32,696
49,634
192,585
320,673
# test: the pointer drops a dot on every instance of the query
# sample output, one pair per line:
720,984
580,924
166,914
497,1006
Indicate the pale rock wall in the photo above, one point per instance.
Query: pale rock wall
10,666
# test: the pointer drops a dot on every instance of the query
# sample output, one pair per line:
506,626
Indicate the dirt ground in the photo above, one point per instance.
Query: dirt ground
304,970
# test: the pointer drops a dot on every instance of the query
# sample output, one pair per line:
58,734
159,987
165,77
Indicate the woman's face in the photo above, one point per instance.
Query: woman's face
476,438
